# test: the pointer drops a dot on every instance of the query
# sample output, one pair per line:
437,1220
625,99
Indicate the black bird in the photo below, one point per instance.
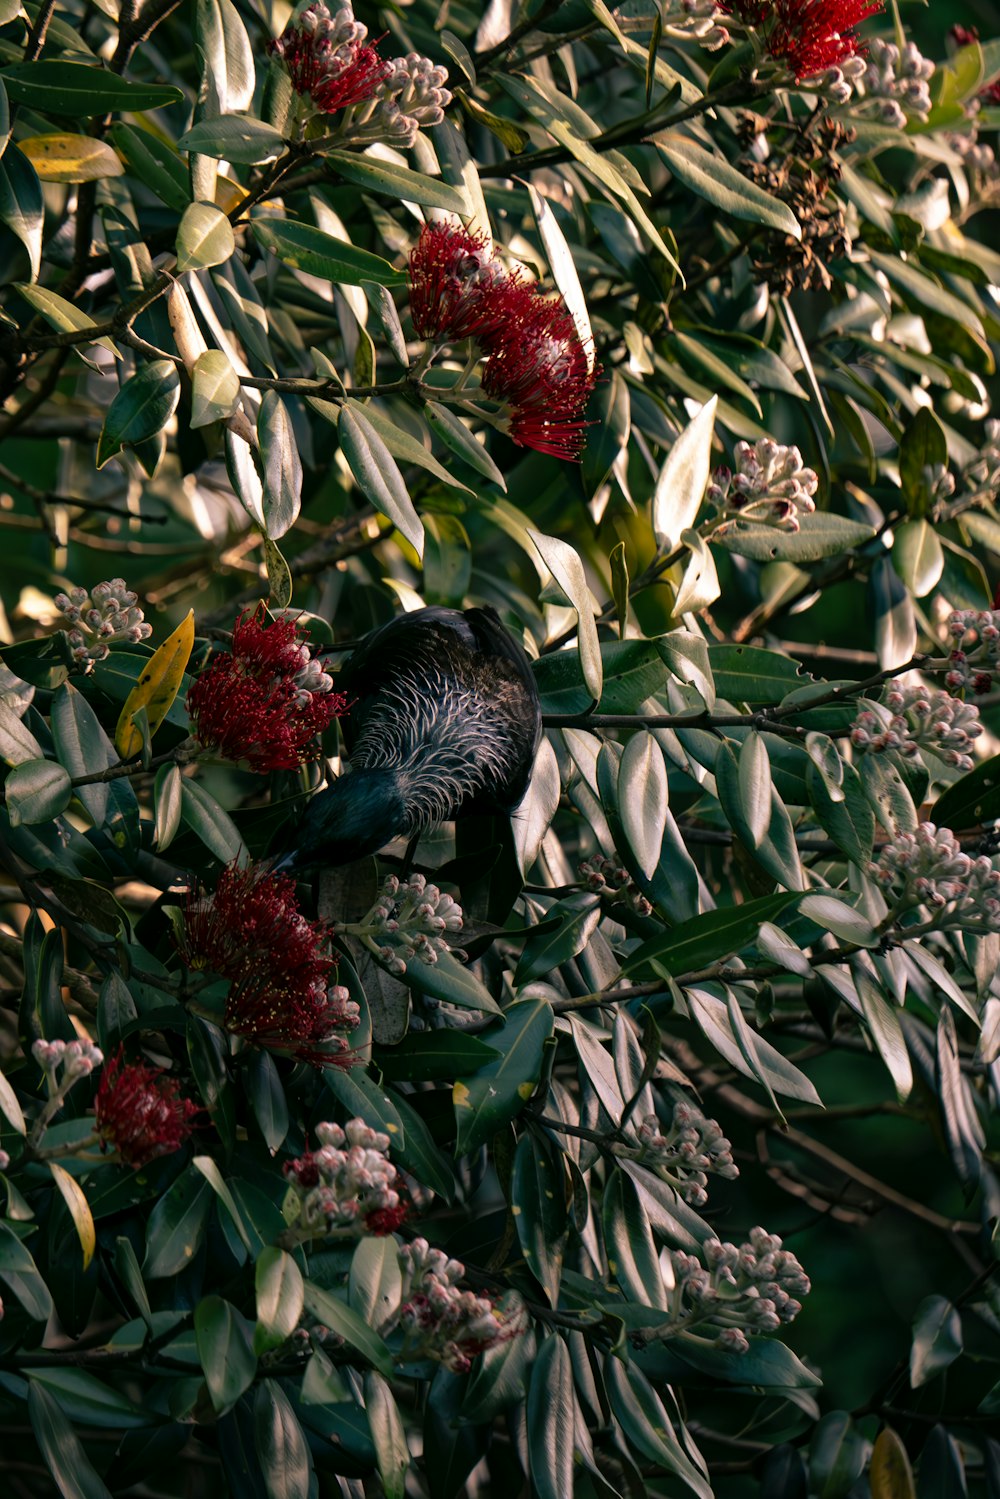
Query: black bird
445,719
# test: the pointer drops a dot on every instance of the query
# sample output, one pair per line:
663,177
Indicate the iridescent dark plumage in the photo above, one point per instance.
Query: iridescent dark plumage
445,720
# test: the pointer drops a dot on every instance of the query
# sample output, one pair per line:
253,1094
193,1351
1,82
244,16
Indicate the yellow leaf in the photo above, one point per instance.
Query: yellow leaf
228,194
890,1475
156,688
79,1210
71,158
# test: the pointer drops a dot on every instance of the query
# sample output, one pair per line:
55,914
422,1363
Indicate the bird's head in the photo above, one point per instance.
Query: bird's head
360,813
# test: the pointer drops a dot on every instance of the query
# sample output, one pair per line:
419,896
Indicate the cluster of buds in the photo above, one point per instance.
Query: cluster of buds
537,366
440,1321
984,470
612,881
700,21
407,922
916,718
693,1148
330,62
63,1063
250,931
108,614
265,701
140,1113
976,656
348,1184
928,868
897,81
805,38
770,485
753,1289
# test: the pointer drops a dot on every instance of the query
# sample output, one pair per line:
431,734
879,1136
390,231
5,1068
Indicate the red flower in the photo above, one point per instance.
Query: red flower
266,700
808,35
383,1221
326,58
252,932
539,367
139,1112
457,289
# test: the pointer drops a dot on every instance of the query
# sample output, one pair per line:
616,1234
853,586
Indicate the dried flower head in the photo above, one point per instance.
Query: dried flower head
108,614
806,36
250,931
915,718
140,1113
265,701
752,1288
440,1321
348,1183
788,263
327,59
539,368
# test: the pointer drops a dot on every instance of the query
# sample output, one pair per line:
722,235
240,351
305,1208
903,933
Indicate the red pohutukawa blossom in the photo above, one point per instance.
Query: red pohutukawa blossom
809,36
537,363
539,367
458,289
265,700
327,59
250,931
140,1112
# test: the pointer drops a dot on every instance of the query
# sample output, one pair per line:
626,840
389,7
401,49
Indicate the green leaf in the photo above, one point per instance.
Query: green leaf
21,206
887,1033
707,938
563,562
19,1271
280,1444
633,1259
76,90
155,163
392,1455
280,1293
307,248
576,919
204,238
237,138
376,1280
378,473
88,1400
225,1349
972,799
401,444
538,1203
17,743
725,1028
227,55
177,1224
60,314
363,1098
399,182
213,826
433,1056
922,447
647,1426
455,435
683,479
722,185
282,496
496,1094
10,1108
35,791
937,1339
72,1471
342,1319
142,407
632,672
926,292
822,534
450,980
642,799
215,388
837,1455
552,1413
